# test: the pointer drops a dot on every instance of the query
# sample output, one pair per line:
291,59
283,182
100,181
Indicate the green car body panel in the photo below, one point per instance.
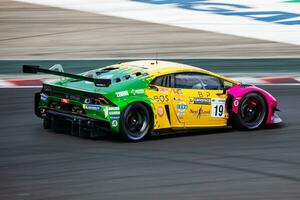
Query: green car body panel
118,93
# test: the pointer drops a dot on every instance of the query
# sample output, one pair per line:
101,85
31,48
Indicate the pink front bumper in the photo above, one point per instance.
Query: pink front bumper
239,91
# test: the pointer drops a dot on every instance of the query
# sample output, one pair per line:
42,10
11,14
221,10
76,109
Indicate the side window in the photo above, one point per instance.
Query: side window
197,81
227,84
164,81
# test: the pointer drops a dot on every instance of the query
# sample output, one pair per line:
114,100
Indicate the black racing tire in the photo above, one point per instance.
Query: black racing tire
252,112
46,123
135,123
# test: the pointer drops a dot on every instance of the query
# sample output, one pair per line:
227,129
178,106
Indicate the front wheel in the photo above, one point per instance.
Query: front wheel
252,112
135,122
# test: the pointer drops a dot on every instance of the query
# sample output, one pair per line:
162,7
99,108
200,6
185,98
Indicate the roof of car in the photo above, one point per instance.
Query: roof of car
160,67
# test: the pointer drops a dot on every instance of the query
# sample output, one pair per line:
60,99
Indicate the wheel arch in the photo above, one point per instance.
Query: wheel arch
148,104
151,122
238,92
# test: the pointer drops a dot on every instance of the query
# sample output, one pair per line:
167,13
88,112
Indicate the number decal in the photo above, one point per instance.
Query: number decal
217,107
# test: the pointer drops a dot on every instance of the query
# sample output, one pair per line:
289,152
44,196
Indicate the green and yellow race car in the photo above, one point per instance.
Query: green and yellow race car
138,98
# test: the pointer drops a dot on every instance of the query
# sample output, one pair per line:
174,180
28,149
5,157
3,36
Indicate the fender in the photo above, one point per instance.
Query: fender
239,91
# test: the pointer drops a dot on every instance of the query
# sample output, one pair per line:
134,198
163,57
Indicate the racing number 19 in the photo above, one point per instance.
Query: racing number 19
217,107
218,110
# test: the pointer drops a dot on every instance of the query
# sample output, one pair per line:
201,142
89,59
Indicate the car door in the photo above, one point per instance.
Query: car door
198,101
159,92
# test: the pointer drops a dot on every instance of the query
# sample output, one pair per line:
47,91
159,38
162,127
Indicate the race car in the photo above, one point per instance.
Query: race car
140,98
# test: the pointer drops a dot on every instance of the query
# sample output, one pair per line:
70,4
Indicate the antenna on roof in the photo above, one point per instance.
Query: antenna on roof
156,61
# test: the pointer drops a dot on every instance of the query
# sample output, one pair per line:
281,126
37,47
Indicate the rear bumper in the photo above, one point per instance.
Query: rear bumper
74,119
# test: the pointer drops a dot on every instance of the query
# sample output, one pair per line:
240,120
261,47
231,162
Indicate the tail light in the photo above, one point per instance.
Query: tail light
62,100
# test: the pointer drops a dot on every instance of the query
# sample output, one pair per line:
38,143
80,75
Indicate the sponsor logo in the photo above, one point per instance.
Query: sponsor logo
198,113
236,102
114,113
163,90
92,107
113,108
114,117
178,91
181,107
44,97
161,98
160,111
217,100
205,101
114,123
122,93
139,91
178,99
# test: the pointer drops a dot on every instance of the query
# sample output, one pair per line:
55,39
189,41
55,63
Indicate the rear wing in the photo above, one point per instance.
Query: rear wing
34,69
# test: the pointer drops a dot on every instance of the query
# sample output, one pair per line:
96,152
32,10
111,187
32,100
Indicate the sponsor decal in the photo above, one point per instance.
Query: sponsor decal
122,93
178,99
161,98
160,111
114,123
218,107
105,110
218,100
114,117
196,100
163,90
44,97
113,108
178,91
203,94
92,107
181,107
236,102
114,113
198,113
138,91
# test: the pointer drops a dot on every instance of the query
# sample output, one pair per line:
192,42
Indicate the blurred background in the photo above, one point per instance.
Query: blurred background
252,41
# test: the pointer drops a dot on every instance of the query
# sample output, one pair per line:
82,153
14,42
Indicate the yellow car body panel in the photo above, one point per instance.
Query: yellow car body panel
183,107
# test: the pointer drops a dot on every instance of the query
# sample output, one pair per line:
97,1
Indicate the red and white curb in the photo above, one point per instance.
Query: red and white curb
31,83
19,83
270,80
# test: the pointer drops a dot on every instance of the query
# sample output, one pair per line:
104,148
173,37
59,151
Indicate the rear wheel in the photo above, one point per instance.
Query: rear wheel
252,112
135,122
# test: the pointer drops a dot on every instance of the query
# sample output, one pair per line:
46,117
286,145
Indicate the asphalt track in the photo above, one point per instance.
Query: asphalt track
223,164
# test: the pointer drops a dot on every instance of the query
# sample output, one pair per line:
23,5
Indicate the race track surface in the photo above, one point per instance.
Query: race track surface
225,164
